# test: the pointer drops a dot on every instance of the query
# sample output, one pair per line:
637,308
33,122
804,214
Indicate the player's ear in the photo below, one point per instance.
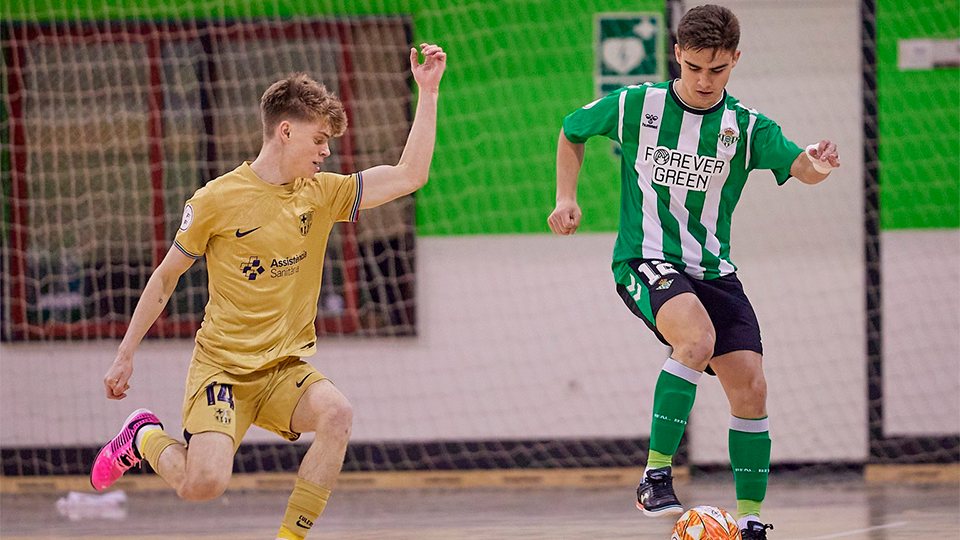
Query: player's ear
736,57
676,52
283,130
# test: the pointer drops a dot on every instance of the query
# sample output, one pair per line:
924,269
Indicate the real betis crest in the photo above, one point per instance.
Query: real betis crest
306,220
729,136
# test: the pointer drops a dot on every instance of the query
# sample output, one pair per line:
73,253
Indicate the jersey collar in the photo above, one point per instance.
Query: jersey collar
692,110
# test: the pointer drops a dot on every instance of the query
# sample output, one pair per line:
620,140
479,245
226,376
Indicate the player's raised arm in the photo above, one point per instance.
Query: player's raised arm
565,218
152,301
816,162
385,183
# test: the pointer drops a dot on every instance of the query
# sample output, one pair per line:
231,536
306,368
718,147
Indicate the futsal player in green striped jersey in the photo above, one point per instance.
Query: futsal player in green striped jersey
687,148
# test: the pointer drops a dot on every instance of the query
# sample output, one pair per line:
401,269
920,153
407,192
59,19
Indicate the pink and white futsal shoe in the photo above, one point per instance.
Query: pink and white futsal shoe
120,454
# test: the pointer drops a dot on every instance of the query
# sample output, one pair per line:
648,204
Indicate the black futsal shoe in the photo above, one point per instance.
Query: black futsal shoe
755,531
655,494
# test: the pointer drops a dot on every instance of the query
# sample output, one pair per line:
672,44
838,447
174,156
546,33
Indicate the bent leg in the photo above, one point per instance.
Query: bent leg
324,410
741,374
201,471
684,323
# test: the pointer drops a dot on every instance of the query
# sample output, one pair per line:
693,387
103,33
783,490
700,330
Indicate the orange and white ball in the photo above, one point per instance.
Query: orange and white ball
706,523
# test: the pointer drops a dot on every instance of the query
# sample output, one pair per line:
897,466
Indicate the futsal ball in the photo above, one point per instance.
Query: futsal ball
706,523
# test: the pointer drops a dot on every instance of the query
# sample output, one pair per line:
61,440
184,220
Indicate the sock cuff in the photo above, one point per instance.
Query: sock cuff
749,425
153,444
309,487
677,369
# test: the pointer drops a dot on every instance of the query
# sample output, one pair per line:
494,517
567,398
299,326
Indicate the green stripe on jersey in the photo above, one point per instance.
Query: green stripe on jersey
669,133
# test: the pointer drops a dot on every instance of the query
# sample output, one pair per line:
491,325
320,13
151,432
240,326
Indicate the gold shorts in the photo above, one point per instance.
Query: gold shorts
219,401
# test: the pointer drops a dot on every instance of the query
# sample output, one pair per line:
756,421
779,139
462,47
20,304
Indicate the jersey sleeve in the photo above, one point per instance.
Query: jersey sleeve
341,194
198,223
770,149
600,117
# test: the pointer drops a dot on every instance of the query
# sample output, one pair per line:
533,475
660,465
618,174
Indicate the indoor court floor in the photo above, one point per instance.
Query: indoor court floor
848,509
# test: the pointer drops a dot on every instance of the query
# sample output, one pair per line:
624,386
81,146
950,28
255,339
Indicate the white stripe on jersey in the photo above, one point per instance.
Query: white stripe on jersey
653,103
711,205
750,123
691,252
623,100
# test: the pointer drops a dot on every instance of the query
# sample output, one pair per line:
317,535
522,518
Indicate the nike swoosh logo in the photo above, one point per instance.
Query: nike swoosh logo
299,384
242,234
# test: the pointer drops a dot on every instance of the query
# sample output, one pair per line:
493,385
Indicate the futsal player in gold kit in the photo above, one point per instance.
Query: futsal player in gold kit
263,229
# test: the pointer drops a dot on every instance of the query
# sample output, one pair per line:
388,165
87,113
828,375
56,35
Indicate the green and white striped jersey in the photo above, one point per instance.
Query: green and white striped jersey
682,171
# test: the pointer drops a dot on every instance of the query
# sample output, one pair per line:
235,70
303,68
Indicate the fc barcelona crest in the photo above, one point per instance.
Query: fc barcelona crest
306,220
729,136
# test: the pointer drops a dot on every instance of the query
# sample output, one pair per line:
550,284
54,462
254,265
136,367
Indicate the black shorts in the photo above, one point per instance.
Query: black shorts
649,283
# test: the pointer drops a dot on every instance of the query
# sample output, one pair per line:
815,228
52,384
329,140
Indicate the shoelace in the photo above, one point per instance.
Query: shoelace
128,459
660,485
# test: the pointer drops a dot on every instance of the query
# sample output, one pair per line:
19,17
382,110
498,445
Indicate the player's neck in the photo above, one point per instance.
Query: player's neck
688,100
268,168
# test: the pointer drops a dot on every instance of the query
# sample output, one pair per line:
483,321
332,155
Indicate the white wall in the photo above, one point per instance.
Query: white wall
921,332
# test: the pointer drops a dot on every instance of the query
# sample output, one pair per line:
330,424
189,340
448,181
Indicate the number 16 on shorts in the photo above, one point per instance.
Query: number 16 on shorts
653,272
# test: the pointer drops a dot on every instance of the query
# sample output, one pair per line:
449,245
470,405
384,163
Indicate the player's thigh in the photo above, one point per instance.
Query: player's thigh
663,298
741,375
323,406
220,402
210,459
684,321
292,386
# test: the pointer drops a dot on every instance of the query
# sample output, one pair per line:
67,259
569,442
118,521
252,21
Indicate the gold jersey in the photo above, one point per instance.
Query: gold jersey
264,246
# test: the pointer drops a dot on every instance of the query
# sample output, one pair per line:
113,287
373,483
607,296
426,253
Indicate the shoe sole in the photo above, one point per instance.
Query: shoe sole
663,512
122,428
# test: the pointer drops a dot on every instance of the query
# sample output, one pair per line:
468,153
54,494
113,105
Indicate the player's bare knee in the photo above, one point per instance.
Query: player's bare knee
336,417
750,401
697,350
203,487
758,392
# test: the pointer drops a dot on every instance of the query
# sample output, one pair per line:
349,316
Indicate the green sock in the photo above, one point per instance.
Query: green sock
672,401
656,460
748,508
750,459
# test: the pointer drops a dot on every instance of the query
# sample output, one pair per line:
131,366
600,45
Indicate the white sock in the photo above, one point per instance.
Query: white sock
742,522
140,432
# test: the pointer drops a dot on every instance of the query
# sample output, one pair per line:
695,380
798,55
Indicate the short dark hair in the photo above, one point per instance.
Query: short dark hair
709,27
298,97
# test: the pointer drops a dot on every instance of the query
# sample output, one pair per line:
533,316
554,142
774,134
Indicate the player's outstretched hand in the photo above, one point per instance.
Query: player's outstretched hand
429,72
115,381
826,151
565,218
